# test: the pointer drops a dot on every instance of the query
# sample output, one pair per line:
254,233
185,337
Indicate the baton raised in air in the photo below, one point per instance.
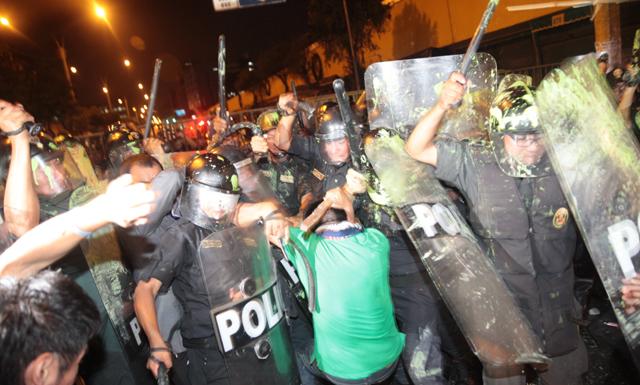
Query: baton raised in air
477,38
152,98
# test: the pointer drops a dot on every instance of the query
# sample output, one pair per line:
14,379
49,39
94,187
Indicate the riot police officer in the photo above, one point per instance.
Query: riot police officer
287,175
208,203
517,208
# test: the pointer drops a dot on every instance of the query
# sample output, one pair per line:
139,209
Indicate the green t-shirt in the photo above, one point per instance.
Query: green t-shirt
354,326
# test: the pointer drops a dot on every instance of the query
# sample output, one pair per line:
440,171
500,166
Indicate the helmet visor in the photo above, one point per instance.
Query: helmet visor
207,207
521,155
55,173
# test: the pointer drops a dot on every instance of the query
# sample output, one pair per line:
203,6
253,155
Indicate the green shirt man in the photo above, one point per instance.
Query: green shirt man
354,325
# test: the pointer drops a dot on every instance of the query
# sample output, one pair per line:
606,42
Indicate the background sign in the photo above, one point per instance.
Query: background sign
227,5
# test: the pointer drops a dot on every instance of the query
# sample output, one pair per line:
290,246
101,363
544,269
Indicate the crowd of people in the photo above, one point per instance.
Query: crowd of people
276,260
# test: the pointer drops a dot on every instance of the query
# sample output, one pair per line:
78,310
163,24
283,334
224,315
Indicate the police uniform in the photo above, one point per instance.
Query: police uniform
528,232
176,265
324,176
288,179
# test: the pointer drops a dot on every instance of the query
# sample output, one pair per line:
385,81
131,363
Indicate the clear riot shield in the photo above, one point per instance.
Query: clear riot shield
79,155
115,286
246,307
399,92
596,160
477,297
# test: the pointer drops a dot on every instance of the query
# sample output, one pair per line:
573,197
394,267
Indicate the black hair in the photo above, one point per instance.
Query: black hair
44,313
332,215
142,160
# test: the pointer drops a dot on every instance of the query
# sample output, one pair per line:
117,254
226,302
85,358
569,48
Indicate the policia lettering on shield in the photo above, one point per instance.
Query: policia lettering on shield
518,210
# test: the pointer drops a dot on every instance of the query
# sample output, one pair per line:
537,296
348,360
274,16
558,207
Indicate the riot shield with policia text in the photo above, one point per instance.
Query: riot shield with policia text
247,311
400,92
477,297
596,160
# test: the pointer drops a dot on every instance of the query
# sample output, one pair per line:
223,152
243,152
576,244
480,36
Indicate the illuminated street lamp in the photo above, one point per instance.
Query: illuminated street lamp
106,93
5,22
101,12
127,63
73,70
140,86
146,97
119,101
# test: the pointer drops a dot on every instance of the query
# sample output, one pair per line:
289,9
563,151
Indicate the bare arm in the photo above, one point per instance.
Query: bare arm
284,131
21,206
276,227
144,304
420,145
123,204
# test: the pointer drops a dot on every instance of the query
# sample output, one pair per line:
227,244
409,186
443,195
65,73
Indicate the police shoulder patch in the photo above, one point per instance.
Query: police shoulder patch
560,218
318,174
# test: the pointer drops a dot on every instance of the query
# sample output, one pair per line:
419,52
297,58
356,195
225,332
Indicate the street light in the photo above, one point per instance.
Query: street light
127,63
101,12
73,70
106,93
4,21
119,101
146,97
140,86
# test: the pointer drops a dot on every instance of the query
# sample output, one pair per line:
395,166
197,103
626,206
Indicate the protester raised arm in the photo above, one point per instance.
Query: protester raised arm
124,204
21,207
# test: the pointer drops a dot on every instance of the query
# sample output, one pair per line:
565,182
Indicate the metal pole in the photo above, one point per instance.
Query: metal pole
108,98
354,58
152,97
126,105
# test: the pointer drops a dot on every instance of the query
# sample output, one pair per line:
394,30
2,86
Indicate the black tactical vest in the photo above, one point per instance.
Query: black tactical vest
532,244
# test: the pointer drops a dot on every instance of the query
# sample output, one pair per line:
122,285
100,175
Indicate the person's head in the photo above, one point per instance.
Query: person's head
45,323
268,122
331,133
142,167
122,144
331,216
210,191
54,174
515,132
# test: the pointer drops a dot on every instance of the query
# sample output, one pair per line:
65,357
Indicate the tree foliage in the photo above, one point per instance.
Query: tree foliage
327,25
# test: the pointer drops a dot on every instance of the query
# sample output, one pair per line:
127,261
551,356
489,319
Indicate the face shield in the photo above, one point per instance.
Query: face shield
55,174
206,206
521,155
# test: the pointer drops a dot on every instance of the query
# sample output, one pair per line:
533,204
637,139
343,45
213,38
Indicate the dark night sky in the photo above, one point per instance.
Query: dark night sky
175,30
